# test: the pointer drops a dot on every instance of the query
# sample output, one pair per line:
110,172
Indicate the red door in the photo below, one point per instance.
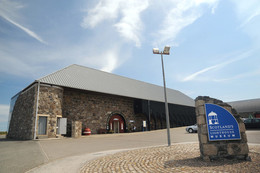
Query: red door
116,123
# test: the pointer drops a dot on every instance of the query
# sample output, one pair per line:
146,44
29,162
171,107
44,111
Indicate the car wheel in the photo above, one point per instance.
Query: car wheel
190,130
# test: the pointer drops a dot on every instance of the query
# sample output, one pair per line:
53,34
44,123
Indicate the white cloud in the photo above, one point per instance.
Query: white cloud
106,59
28,31
239,76
125,16
9,8
4,113
248,14
110,62
239,56
182,14
214,7
247,10
194,75
8,11
104,10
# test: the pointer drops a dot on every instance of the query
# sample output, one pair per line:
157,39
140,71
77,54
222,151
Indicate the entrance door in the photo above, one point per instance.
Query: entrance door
42,125
61,126
117,124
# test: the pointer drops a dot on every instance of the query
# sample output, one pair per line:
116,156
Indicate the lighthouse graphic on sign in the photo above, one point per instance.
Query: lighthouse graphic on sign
213,118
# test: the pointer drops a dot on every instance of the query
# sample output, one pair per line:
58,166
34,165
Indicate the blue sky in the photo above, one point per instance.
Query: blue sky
215,44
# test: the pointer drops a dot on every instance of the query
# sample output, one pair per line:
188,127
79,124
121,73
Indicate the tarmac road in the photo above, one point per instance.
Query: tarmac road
88,144
21,156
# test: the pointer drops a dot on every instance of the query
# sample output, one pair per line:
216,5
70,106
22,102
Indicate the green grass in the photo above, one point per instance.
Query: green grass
3,133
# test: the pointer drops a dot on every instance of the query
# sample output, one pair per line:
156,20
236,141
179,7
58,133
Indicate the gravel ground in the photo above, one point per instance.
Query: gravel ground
177,158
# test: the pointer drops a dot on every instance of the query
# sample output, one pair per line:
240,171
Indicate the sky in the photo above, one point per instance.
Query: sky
215,44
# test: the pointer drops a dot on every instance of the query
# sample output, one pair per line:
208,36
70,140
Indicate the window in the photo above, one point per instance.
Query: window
61,126
42,126
257,120
58,126
247,121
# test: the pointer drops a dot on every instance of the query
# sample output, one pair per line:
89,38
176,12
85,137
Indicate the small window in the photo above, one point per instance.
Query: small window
42,126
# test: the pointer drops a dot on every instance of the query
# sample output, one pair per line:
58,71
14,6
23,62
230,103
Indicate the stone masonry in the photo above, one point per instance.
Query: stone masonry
211,150
94,109
50,105
76,129
81,108
23,116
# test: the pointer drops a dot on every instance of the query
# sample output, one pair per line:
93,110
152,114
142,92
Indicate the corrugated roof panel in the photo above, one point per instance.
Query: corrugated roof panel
79,77
252,105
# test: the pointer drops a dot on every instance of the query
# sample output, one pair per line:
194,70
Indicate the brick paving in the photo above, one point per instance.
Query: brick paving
177,158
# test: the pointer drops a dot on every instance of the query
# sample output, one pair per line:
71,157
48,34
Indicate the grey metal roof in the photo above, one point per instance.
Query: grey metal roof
252,105
80,77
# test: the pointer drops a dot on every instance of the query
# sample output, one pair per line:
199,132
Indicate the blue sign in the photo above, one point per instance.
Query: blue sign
221,124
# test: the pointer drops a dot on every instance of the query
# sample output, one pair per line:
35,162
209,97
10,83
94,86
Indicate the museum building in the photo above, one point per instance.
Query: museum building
78,97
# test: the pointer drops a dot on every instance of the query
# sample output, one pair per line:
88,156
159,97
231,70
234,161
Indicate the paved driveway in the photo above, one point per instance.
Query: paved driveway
21,156
67,147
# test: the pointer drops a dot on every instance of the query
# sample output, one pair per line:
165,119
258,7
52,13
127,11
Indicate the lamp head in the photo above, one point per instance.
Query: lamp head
166,50
156,51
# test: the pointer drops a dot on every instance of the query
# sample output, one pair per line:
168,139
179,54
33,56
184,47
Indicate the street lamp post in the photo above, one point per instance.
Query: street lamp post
166,51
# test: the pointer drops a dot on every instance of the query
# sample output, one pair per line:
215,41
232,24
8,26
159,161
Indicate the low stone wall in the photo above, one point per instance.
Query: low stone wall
76,129
210,150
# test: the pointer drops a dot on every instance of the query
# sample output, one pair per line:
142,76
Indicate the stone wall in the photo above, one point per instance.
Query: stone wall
94,109
210,150
76,129
50,104
23,116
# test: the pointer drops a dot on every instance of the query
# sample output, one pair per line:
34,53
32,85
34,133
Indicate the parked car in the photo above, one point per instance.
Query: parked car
192,128
252,123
